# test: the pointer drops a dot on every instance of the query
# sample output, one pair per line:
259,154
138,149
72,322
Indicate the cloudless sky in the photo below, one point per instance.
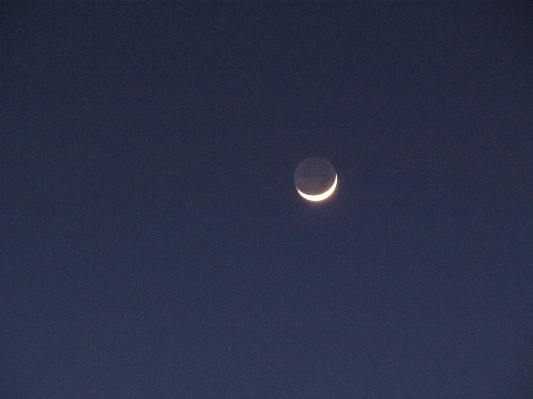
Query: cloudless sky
152,242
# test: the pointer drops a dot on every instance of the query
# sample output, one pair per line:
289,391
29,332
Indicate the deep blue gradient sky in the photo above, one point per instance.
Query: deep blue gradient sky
152,243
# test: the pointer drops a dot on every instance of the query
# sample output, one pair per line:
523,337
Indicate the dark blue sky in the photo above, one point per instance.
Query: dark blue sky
152,243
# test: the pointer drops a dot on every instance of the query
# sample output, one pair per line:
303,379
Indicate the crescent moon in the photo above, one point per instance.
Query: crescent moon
320,197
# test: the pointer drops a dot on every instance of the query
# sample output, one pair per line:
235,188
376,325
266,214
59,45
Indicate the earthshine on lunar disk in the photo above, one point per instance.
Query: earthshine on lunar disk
315,179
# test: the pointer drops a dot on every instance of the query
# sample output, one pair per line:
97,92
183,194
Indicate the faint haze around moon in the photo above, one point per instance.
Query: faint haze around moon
315,179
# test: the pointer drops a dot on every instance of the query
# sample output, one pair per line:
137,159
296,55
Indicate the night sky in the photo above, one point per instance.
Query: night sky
152,241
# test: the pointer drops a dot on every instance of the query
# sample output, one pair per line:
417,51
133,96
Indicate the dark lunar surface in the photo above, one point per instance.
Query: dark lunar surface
314,176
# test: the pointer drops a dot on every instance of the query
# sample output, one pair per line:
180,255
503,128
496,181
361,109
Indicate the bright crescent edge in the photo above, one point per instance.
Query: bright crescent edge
319,197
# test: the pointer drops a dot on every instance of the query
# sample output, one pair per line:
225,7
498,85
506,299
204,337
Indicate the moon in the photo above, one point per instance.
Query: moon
315,179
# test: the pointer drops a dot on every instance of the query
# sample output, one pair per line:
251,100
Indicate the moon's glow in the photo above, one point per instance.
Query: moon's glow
320,197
